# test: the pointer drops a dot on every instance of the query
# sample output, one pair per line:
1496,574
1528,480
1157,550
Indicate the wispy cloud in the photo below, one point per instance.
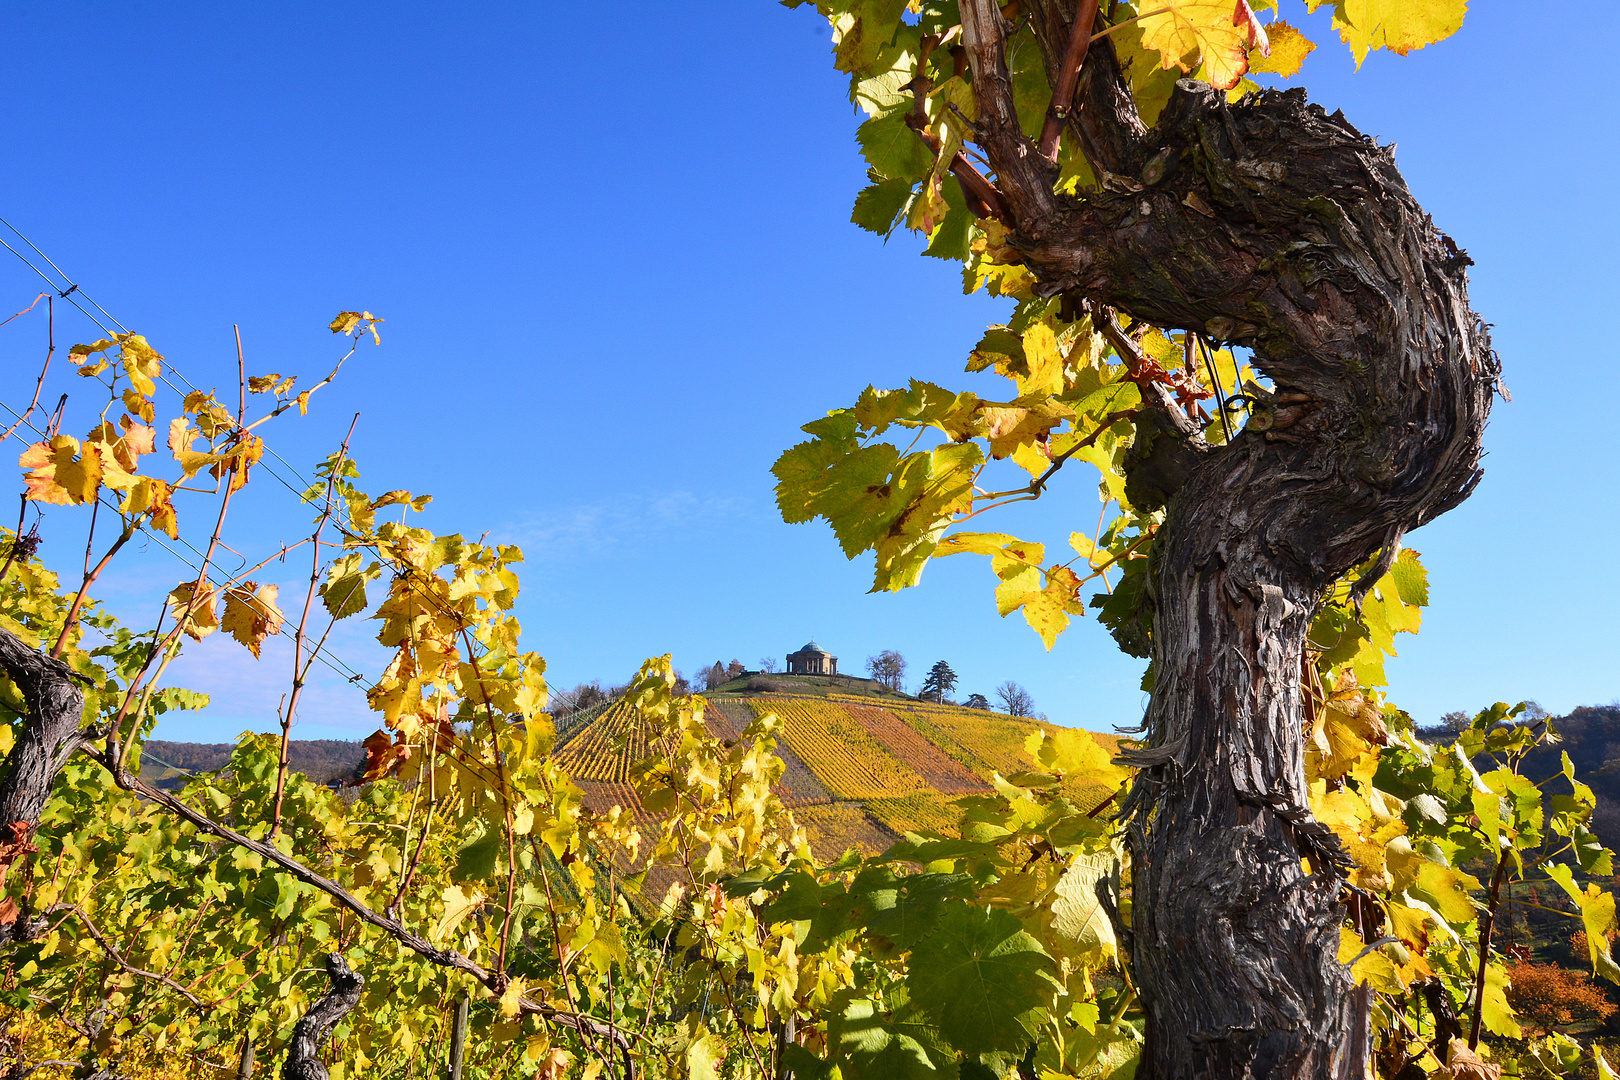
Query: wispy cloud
588,529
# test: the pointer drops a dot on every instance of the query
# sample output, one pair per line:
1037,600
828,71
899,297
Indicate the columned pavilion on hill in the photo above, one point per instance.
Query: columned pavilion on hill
812,660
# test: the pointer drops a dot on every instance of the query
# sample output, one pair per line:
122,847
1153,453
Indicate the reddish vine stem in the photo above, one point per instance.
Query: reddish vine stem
16,538
50,350
1486,924
494,981
1068,78
506,805
983,197
1100,807
427,825
301,669
562,966
90,577
116,957
1141,370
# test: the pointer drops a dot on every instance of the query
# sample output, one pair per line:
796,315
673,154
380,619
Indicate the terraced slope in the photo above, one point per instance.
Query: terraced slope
860,771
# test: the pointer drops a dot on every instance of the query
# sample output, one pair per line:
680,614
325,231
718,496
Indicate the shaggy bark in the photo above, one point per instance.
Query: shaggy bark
1272,225
50,735
303,1054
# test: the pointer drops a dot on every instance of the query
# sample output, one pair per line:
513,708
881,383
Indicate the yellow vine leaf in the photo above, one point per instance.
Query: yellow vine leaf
1188,32
1467,1065
80,354
58,473
141,362
510,998
251,614
554,1065
1598,917
1046,607
1289,48
1071,752
139,404
181,436
348,320
1497,1014
459,902
149,495
1078,915
1045,363
703,1057
1397,25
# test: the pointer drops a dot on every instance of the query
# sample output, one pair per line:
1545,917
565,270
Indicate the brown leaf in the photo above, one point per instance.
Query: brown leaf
203,620
251,614
384,757
1467,1065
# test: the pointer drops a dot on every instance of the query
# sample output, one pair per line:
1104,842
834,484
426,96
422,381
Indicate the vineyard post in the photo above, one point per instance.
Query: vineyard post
458,1036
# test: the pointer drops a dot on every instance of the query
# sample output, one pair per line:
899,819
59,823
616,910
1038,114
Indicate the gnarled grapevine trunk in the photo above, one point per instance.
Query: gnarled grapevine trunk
1272,225
303,1054
50,735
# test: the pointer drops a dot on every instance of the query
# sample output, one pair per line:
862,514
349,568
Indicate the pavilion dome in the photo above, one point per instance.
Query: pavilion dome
812,660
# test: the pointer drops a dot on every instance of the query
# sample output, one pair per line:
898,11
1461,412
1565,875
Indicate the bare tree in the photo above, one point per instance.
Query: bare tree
887,667
578,699
769,665
715,676
1455,720
1015,699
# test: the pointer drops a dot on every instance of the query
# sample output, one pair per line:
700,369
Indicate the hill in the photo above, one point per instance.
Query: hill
1590,735
167,764
863,768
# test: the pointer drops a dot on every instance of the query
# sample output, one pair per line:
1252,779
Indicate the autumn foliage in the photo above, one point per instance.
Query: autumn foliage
1550,997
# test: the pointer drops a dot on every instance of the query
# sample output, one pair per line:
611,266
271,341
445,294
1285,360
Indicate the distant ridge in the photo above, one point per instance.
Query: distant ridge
167,763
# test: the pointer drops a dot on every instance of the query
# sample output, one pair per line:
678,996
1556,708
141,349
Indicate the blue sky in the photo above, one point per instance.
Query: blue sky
615,260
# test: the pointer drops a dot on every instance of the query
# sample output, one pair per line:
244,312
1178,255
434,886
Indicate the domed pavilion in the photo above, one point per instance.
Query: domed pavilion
812,660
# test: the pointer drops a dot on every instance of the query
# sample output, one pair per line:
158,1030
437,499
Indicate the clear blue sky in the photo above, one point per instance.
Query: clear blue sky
613,250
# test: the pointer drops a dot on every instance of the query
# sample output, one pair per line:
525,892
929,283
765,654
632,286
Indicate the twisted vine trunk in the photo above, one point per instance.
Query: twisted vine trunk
49,736
303,1054
1272,225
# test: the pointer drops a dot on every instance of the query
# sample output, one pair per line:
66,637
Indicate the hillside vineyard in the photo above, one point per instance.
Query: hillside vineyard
858,775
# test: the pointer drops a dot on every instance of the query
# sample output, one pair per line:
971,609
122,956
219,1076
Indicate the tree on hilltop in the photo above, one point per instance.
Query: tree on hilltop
577,699
976,701
940,682
1015,699
1454,721
889,668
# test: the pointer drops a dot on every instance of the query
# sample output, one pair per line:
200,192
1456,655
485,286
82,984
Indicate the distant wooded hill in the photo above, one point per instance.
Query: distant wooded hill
322,760
1591,738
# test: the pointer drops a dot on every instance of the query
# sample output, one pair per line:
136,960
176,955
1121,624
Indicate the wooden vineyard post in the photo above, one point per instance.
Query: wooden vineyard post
458,1037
